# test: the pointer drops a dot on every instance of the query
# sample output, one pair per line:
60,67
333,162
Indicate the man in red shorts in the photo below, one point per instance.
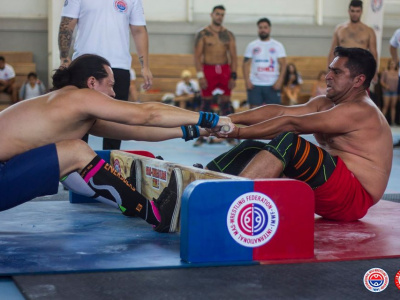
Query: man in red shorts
216,63
350,168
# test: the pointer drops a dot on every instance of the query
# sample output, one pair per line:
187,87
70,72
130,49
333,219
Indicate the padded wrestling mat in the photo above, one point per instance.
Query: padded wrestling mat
60,237
57,236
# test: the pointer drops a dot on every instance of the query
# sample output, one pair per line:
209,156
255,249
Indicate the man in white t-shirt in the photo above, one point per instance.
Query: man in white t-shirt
103,28
264,67
394,44
7,80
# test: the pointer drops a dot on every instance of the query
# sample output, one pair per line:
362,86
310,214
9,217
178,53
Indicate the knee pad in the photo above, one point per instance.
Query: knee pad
302,160
234,161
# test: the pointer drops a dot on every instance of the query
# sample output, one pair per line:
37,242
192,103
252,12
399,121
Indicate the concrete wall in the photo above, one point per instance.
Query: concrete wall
300,40
27,35
24,24
238,11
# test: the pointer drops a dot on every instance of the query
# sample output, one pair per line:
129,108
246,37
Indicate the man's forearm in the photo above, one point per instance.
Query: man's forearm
265,130
65,34
282,71
258,115
141,39
234,63
393,54
9,82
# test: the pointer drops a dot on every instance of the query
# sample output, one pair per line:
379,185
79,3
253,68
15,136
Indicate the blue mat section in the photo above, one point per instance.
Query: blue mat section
59,237
205,239
8,290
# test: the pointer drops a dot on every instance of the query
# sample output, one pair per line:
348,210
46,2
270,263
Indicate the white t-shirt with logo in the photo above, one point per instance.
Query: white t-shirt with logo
395,41
103,28
264,61
7,73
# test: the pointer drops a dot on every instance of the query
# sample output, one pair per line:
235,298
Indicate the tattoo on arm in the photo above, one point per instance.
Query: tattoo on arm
141,61
246,59
198,37
65,36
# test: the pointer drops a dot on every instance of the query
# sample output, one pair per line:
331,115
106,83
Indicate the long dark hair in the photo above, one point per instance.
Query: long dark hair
78,72
287,75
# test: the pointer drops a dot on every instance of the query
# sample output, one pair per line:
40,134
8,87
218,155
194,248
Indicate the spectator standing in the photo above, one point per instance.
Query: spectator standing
32,88
216,63
354,33
394,44
103,29
264,66
389,83
7,80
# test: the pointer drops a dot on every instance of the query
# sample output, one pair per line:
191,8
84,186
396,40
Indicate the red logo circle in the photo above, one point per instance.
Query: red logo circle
397,279
376,280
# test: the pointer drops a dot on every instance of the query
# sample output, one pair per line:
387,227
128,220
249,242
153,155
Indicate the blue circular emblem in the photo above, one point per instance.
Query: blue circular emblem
120,6
252,219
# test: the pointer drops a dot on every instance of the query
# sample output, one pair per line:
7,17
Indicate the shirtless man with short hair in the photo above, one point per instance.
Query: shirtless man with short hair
349,169
41,142
216,62
354,33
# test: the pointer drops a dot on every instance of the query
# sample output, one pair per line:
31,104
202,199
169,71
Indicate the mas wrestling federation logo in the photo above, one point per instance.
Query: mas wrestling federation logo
252,219
120,6
376,5
376,280
397,280
256,50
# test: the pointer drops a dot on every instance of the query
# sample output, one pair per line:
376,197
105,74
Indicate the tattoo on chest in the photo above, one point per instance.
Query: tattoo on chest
207,33
352,35
200,35
224,36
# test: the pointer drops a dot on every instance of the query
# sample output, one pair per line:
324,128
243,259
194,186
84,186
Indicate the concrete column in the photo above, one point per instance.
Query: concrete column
373,17
319,12
54,17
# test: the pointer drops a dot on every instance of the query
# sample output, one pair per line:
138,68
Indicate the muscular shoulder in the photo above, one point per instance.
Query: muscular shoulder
371,31
230,33
75,96
320,103
360,111
203,32
341,27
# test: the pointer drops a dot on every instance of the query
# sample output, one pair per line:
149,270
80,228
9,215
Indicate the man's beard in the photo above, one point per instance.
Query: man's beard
263,36
355,20
216,23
